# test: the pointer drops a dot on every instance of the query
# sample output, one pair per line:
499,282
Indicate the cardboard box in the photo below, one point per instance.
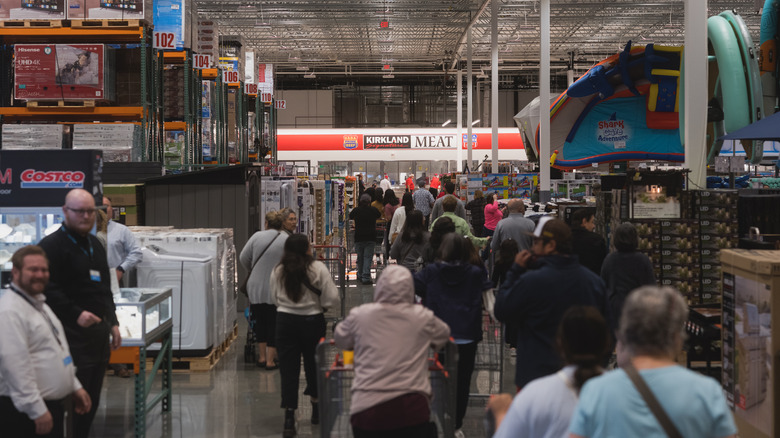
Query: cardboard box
110,9
63,72
175,16
124,194
32,10
751,315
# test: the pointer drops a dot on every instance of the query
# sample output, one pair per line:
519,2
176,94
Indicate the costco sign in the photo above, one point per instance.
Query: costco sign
64,179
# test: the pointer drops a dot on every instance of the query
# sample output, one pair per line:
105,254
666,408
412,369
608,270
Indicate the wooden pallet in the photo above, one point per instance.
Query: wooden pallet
61,104
30,24
200,364
113,24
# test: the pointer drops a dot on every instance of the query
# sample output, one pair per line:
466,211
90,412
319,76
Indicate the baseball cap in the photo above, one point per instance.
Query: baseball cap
540,225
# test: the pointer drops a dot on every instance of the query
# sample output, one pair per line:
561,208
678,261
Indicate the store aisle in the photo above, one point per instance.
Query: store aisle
239,400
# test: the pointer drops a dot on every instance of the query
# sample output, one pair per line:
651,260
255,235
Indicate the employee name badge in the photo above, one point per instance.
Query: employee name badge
67,360
94,275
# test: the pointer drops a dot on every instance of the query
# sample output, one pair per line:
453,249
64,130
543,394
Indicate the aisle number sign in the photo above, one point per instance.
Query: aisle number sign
250,88
202,61
164,40
230,76
280,104
266,97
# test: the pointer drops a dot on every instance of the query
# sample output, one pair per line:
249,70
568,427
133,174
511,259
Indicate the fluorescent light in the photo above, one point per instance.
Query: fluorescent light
474,122
446,123
302,68
310,75
388,76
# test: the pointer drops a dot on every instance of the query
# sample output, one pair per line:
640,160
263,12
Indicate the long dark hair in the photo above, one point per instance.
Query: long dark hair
413,229
441,228
408,202
491,198
453,249
583,340
390,198
295,265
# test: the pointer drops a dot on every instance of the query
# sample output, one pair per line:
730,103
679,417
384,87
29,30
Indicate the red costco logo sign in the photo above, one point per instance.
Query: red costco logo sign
52,179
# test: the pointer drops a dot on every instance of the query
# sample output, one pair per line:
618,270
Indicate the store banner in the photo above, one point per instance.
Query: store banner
43,178
319,139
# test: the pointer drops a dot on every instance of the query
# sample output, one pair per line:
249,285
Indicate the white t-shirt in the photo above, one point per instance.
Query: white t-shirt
543,408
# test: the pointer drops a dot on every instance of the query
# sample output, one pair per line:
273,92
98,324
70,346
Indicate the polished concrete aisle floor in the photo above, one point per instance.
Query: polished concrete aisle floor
236,399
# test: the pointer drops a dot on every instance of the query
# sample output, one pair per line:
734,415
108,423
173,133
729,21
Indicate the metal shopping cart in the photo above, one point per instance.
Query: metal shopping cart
335,258
379,247
334,380
489,364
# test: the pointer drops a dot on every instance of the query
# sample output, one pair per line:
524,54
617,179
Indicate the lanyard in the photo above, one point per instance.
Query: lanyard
73,239
26,298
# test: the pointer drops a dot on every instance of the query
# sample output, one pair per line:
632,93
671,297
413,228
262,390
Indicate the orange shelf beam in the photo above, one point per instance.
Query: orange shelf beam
177,57
65,33
210,73
234,84
175,126
100,112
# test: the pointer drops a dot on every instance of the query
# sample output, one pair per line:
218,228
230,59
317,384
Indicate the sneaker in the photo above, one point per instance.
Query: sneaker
289,424
459,434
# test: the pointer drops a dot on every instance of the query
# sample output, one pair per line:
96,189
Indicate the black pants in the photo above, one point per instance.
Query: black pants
296,336
17,424
467,354
91,378
264,323
424,430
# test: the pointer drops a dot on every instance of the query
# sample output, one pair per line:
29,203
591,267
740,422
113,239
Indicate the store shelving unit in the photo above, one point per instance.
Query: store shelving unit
135,37
190,124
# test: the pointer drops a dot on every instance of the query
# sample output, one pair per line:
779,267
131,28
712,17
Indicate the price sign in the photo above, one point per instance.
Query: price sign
202,61
164,40
280,104
230,76
250,88
266,97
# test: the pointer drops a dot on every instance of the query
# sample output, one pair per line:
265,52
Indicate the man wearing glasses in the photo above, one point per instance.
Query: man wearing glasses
79,292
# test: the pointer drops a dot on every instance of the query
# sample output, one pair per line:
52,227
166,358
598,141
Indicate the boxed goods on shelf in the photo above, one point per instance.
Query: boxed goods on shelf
208,39
110,9
32,10
176,17
119,142
32,136
751,285
174,148
63,72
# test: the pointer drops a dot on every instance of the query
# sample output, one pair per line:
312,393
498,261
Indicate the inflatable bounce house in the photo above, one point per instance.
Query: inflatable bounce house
629,106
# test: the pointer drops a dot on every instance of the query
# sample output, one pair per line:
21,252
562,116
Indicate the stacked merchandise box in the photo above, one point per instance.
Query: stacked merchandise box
120,142
231,54
127,201
208,39
32,10
111,9
32,136
319,212
679,257
717,210
751,287
174,149
306,209
232,125
64,72
217,243
649,234
207,130
176,17
173,93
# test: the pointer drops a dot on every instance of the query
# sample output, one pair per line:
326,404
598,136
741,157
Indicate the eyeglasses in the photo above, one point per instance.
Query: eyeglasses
83,212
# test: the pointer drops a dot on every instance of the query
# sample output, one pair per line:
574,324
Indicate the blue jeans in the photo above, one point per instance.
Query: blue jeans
365,257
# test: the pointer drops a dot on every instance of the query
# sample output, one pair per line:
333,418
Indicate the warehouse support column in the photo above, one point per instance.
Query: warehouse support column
494,85
459,116
469,102
695,92
544,107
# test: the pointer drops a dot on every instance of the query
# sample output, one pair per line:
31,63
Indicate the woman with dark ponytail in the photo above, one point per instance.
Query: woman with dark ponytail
303,290
545,406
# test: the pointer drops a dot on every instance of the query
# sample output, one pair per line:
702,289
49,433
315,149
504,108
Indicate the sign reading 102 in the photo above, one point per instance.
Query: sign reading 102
164,40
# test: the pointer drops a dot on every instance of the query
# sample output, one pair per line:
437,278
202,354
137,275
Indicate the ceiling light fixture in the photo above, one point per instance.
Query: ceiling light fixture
310,75
389,76
302,68
446,123
475,122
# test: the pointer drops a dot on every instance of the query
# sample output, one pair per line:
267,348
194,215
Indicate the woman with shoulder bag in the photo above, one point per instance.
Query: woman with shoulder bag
410,245
303,289
260,255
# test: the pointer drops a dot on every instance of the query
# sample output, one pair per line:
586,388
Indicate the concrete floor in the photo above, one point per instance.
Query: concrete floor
237,399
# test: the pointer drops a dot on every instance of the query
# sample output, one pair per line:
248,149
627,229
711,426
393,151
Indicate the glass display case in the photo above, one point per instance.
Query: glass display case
20,226
143,314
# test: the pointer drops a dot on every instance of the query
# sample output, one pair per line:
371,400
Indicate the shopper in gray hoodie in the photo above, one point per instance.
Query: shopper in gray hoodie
391,337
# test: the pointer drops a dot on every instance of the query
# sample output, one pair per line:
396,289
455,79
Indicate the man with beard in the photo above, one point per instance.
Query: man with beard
79,292
37,378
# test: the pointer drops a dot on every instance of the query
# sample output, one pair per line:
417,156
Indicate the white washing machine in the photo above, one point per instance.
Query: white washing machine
193,318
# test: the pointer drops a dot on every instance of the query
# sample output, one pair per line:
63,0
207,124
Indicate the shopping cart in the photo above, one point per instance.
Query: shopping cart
489,363
334,381
379,247
335,258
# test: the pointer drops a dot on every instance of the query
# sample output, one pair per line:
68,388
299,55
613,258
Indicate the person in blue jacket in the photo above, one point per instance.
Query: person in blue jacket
452,287
539,288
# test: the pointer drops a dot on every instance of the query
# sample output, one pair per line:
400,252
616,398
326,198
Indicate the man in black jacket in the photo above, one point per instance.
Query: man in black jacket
365,217
588,246
79,293
535,300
